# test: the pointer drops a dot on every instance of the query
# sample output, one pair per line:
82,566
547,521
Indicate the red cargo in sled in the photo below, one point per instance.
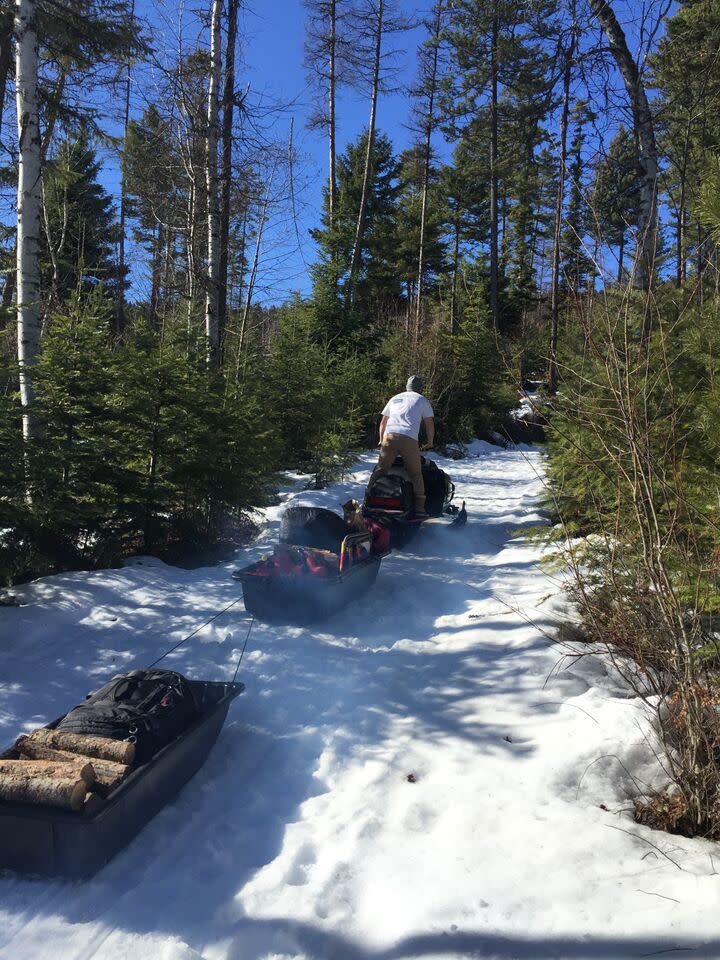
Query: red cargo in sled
299,584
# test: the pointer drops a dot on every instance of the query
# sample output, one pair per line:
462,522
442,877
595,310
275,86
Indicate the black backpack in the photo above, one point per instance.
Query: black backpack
313,527
392,490
439,489
148,707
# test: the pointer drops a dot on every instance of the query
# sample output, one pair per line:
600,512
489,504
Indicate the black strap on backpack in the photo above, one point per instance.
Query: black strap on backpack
148,707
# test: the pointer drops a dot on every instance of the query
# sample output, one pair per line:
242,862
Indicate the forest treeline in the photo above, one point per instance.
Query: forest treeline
555,218
547,163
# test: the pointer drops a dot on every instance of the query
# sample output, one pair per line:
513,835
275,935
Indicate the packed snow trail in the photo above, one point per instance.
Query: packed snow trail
419,777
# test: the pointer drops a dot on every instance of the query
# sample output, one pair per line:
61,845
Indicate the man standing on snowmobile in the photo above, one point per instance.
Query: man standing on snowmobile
399,431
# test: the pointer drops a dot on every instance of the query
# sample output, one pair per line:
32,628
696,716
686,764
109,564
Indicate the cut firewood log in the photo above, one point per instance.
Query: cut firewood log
118,751
43,791
106,772
79,769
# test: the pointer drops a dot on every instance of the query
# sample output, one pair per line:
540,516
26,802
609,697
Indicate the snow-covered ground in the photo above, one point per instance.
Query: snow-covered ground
304,835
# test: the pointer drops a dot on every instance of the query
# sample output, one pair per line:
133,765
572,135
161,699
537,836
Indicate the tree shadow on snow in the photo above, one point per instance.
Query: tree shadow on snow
260,937
183,870
353,679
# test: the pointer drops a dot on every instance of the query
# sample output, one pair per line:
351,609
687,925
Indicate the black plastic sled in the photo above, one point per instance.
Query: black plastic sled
50,842
301,583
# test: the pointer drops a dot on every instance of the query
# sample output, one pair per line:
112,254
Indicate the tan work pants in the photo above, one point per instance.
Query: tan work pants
397,445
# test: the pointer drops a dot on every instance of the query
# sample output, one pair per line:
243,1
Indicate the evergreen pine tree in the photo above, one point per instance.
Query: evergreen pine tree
409,214
154,185
80,230
377,287
577,268
615,194
686,70
497,81
463,185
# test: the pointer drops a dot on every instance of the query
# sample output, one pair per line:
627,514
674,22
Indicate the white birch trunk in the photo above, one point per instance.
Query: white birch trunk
332,45
28,203
212,300
120,307
190,254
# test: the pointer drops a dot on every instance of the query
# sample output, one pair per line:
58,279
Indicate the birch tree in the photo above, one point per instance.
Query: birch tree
80,48
190,90
212,298
28,203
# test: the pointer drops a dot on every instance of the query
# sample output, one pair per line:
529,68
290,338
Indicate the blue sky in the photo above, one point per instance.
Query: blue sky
273,50
274,54
272,37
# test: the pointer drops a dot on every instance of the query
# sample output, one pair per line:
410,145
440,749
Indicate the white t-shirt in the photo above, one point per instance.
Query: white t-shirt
405,411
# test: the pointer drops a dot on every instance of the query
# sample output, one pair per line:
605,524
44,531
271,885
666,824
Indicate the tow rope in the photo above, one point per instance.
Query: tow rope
202,627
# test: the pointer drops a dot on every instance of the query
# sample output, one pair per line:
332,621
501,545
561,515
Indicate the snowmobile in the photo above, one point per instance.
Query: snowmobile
319,566
390,500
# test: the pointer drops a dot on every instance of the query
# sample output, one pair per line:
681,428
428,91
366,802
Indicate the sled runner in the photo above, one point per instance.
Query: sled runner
301,583
76,843
454,518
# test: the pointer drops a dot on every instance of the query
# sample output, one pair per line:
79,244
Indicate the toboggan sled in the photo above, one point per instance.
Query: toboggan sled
54,842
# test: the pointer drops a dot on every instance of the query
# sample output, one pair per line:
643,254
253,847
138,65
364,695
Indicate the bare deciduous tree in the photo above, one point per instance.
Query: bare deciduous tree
647,158
6,31
429,81
377,12
326,59
373,23
28,202
568,55
228,105
120,305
